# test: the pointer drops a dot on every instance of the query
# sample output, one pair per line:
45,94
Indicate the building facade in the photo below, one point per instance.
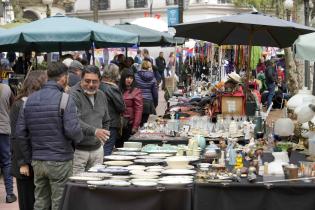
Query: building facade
113,12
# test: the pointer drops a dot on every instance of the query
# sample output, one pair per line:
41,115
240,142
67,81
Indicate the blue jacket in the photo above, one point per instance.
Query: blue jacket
146,82
41,130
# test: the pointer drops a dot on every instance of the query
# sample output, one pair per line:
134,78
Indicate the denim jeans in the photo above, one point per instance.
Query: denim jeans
110,143
5,162
271,93
50,178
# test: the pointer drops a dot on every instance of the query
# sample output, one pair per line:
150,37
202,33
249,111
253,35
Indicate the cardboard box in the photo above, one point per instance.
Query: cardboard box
232,105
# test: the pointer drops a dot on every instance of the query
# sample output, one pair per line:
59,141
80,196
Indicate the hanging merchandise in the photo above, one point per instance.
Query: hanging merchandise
255,55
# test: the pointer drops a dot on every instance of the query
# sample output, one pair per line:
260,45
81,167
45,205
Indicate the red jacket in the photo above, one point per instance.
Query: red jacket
134,106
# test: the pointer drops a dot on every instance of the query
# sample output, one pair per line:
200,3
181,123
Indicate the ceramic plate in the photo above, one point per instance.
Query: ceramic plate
129,149
144,173
149,161
129,153
147,157
118,163
144,183
176,182
178,171
120,177
95,168
177,177
116,167
114,171
160,155
183,167
99,183
145,180
155,169
144,177
161,151
136,167
183,158
84,178
95,174
119,157
120,183
219,180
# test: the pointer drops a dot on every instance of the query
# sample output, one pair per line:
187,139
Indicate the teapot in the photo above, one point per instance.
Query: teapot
201,141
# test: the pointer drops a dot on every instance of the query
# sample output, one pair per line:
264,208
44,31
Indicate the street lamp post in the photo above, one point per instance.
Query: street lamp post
48,3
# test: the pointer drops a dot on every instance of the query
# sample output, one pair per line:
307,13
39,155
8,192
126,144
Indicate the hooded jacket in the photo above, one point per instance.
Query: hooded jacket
147,83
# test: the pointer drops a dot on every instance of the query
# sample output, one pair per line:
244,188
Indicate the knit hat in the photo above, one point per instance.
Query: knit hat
76,65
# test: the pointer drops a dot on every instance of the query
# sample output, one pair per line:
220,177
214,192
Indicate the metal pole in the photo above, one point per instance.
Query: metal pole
181,10
151,8
307,63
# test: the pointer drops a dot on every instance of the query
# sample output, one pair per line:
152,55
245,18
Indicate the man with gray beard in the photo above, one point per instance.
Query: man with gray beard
94,118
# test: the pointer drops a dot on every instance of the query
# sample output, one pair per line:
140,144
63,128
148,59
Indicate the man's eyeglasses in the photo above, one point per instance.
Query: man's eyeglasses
94,82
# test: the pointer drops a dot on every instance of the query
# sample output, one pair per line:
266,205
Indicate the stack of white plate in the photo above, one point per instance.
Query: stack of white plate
176,180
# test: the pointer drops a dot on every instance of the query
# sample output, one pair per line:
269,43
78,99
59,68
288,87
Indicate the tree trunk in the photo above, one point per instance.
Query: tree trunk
291,70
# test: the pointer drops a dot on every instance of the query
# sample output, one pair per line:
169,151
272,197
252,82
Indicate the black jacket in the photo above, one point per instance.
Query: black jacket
160,64
116,105
17,158
270,75
41,130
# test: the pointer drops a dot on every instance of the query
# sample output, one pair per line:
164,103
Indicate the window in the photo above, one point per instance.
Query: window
136,3
224,1
171,2
102,4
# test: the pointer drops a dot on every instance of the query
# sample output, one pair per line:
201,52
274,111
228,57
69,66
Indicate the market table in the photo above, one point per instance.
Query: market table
82,197
253,196
240,196
158,139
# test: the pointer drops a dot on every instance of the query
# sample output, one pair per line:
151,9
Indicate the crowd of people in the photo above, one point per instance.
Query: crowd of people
65,118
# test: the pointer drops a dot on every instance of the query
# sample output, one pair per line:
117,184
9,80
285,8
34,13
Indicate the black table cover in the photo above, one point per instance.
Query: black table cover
81,197
254,196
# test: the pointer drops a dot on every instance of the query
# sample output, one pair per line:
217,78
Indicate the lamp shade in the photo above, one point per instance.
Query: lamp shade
305,114
284,127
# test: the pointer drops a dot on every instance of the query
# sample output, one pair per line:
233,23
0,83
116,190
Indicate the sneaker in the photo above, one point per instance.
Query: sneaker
10,198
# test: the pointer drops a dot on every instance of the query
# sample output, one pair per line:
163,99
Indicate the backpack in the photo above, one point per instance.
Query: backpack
63,103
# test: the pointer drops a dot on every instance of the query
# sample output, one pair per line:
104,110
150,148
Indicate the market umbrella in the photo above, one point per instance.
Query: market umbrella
152,23
61,33
149,37
304,47
244,29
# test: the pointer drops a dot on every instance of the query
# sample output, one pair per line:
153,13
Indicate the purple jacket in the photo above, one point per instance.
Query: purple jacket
146,82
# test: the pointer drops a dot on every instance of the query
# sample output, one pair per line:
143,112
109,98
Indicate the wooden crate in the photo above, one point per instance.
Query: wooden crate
232,105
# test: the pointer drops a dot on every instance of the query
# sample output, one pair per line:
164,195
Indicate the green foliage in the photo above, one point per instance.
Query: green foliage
261,5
